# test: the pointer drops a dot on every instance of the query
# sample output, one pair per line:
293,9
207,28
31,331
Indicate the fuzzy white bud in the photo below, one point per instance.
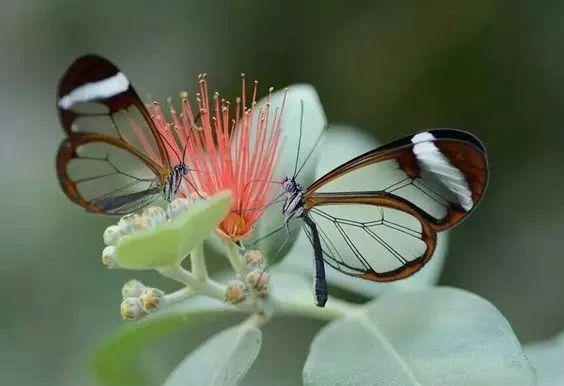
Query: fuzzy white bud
156,213
253,258
125,223
132,289
236,292
179,205
109,257
112,235
130,309
141,223
151,299
257,281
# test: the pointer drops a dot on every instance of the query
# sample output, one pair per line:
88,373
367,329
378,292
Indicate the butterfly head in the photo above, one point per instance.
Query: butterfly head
181,169
290,185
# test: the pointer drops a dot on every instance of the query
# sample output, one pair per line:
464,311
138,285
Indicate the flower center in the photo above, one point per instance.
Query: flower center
233,224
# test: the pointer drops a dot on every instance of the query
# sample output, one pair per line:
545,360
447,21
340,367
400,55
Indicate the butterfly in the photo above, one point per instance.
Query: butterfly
114,159
385,229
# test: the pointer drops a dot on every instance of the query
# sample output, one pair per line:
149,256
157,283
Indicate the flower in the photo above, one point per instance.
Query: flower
232,148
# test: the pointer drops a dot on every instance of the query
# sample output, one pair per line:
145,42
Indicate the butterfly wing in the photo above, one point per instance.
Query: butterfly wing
114,159
404,193
105,175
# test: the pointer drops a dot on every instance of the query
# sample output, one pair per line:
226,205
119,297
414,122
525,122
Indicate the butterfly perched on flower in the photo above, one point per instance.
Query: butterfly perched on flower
376,216
115,158
120,154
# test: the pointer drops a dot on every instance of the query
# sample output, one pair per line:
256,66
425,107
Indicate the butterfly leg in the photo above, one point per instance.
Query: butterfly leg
287,222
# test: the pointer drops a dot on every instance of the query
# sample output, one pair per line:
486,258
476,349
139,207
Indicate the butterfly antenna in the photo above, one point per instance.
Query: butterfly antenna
312,150
193,187
300,137
264,207
184,153
258,180
168,143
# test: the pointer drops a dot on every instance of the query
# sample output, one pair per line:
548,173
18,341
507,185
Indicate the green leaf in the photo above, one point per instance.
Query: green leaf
170,242
300,257
287,287
116,361
435,336
222,360
548,358
314,123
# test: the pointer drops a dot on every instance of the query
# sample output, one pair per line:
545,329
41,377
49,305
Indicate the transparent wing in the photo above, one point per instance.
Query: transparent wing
114,160
382,241
441,173
104,176
94,96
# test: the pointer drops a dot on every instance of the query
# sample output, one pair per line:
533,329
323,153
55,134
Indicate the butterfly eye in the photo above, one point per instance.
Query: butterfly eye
286,185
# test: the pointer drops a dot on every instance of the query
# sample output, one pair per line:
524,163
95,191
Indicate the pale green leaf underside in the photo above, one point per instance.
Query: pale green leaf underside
170,242
116,361
548,360
435,336
222,360
299,258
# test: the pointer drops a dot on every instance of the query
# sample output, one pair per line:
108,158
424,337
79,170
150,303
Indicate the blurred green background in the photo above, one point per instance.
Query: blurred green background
391,68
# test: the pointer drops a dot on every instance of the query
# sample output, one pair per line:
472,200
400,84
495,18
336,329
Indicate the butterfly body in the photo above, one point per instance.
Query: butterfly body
294,199
174,180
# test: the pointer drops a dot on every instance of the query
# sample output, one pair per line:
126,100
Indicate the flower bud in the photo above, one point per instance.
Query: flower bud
125,224
141,223
257,281
132,289
112,235
130,309
151,299
156,213
179,205
236,292
109,257
254,259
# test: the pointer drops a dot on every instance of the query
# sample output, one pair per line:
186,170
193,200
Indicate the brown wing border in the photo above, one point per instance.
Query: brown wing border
93,68
428,233
463,149
68,152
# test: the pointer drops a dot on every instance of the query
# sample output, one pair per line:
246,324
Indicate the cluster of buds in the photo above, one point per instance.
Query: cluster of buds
133,223
254,283
139,300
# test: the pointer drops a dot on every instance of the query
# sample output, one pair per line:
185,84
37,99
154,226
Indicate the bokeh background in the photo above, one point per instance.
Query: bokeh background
390,68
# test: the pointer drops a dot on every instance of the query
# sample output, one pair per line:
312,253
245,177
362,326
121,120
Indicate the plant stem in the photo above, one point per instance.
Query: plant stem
198,263
234,257
181,294
199,283
256,320
334,309
207,287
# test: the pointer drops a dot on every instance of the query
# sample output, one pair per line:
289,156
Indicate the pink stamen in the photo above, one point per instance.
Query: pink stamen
234,148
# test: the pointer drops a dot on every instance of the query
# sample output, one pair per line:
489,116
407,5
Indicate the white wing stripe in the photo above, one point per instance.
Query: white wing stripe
433,160
105,88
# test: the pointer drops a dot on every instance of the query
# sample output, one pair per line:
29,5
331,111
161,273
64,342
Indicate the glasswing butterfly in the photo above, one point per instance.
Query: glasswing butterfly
387,230
114,160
